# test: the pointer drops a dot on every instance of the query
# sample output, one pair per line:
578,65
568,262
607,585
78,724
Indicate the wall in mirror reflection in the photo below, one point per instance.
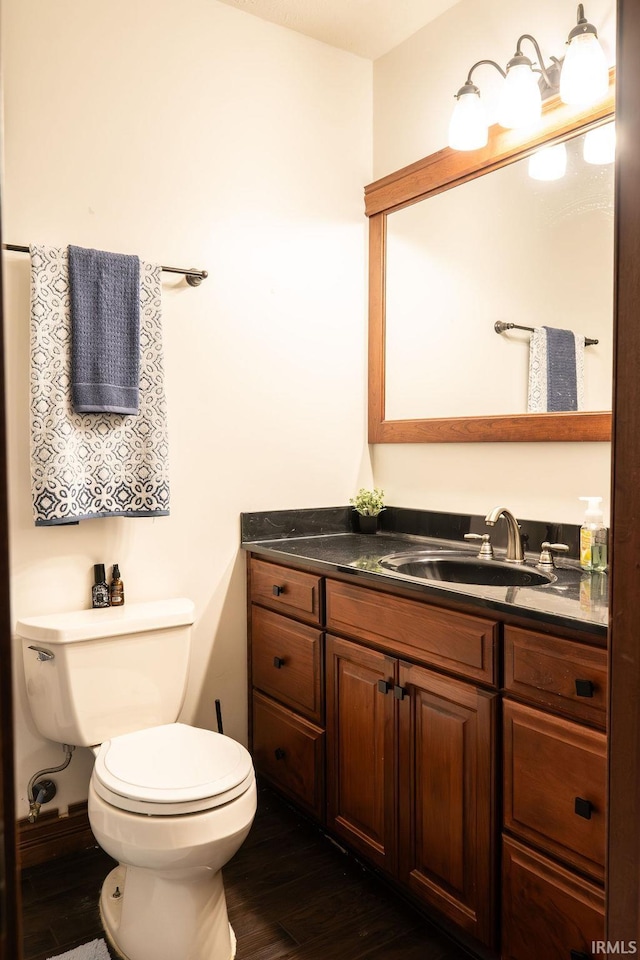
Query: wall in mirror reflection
501,247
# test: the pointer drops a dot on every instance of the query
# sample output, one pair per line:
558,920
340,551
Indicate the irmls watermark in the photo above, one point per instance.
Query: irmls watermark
607,948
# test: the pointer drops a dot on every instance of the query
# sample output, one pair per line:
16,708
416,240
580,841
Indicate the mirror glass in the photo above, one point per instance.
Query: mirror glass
500,247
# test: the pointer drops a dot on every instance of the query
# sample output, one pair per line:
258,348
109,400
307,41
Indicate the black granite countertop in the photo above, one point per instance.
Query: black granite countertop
575,600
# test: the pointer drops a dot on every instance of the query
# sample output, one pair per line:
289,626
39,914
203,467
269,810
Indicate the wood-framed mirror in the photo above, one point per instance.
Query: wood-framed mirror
404,193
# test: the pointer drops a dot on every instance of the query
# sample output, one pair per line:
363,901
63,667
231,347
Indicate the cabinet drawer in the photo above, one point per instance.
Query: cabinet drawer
560,674
554,790
456,642
287,590
286,660
289,751
547,911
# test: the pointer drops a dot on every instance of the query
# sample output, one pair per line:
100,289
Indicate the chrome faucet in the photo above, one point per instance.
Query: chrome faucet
515,553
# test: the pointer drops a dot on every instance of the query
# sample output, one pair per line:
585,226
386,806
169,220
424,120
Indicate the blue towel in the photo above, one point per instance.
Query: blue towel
562,385
105,331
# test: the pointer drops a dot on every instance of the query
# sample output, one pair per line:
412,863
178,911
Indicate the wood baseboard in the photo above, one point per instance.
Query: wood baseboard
53,836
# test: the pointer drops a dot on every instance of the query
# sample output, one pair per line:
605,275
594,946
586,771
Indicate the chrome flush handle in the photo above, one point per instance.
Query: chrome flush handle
43,653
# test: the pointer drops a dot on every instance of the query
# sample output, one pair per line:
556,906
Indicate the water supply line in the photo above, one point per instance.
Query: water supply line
42,792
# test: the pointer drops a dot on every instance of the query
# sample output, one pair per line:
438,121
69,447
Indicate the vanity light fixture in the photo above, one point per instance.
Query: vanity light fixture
550,163
582,78
599,148
585,76
468,127
521,98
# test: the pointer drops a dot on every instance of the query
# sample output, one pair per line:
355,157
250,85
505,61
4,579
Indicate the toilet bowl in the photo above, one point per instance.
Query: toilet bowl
172,805
169,802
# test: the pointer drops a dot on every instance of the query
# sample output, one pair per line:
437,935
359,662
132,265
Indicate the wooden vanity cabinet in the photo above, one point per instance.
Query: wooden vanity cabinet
411,751
410,695
287,681
553,797
410,775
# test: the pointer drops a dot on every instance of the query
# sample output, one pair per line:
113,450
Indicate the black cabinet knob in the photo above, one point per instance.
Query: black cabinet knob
384,686
278,662
584,688
279,753
399,692
277,591
583,808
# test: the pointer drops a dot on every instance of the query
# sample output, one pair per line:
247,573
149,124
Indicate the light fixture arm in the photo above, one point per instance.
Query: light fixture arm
469,85
519,53
480,63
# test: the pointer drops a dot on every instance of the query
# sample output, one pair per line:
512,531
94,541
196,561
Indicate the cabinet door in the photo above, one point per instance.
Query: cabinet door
289,752
289,591
361,734
568,677
286,661
447,791
547,911
555,781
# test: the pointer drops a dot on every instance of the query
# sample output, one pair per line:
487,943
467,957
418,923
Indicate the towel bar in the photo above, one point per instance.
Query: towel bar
194,277
500,326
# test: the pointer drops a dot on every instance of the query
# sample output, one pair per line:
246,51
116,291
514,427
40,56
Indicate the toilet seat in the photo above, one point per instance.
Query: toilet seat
171,770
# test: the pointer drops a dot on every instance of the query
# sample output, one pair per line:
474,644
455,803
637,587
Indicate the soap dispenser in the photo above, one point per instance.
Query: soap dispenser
593,537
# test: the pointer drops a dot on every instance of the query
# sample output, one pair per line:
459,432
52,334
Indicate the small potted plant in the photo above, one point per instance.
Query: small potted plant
368,504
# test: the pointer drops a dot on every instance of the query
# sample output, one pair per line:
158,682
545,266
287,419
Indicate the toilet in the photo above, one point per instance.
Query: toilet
170,802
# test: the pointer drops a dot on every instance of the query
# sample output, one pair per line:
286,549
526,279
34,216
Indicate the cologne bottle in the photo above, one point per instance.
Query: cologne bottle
100,589
116,587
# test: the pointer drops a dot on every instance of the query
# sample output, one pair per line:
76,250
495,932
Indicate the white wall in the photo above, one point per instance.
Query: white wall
196,135
414,87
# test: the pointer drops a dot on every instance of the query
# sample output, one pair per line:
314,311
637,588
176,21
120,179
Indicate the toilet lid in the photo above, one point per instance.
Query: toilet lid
171,769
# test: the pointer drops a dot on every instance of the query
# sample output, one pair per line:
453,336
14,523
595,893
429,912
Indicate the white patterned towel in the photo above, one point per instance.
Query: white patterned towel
86,465
96,950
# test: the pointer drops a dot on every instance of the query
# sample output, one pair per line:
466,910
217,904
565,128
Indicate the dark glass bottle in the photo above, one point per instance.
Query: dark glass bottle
116,587
100,589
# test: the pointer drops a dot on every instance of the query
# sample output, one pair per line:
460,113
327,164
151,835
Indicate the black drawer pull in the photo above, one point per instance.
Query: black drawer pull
277,591
279,753
584,688
399,692
579,955
278,662
583,808
384,686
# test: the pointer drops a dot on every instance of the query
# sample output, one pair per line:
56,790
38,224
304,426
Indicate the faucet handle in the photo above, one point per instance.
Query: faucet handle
486,550
546,554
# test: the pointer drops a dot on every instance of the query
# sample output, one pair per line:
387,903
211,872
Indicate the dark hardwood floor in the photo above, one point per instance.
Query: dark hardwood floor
291,895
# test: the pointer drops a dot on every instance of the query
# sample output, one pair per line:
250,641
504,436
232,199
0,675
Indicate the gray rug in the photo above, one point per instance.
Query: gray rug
96,950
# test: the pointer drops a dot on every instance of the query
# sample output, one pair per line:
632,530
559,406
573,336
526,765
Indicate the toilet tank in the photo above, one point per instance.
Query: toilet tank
95,674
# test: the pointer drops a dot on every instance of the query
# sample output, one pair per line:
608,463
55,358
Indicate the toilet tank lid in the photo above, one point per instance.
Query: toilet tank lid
93,624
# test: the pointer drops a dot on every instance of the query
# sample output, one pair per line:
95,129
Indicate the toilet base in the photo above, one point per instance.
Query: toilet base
161,918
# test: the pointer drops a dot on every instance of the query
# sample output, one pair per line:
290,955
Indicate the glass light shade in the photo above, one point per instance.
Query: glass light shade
549,163
468,128
600,144
520,101
585,75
